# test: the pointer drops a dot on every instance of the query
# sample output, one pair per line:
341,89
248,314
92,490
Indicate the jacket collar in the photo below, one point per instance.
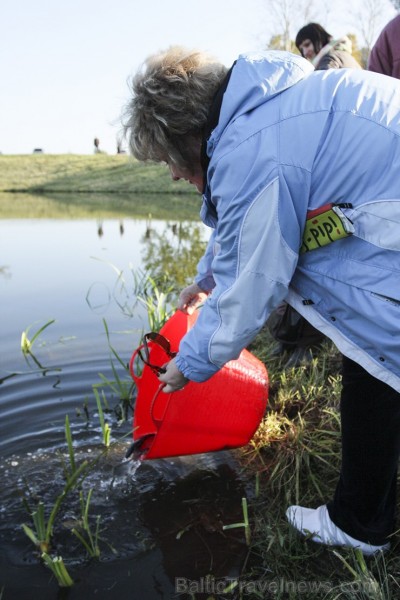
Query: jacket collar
212,121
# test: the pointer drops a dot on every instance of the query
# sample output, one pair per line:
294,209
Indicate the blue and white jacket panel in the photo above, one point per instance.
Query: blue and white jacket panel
290,140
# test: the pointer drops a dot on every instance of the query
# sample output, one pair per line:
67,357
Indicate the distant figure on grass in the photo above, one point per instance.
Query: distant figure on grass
324,52
96,143
385,55
120,149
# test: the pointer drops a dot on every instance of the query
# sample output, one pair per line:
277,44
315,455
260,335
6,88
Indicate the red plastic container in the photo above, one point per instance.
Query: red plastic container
223,412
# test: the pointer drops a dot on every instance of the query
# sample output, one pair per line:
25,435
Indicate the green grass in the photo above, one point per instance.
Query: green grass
294,458
98,173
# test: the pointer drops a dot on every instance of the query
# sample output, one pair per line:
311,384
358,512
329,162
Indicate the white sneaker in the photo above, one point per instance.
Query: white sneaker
316,523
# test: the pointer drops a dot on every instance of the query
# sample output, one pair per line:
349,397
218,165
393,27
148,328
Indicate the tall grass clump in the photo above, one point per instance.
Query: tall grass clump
294,458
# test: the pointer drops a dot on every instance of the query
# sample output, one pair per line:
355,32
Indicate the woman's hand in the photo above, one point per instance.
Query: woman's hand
190,298
173,378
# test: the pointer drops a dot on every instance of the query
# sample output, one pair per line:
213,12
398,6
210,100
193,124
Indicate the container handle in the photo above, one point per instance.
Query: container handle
158,421
135,377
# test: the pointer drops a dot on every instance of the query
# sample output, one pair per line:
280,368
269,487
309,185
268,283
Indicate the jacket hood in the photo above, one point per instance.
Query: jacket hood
256,78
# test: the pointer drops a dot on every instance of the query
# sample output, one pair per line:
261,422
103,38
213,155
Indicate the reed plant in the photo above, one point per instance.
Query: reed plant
59,570
156,293
121,384
157,303
245,523
159,306
27,343
42,531
88,538
105,427
44,518
71,453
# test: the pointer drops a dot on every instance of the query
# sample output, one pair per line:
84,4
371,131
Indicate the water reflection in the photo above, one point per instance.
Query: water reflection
182,207
171,254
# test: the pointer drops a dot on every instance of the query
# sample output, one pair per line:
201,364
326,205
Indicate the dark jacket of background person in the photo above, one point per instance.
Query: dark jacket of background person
385,55
338,56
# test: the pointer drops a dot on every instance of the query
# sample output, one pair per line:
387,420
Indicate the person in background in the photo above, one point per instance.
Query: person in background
300,175
385,54
97,149
324,52
96,144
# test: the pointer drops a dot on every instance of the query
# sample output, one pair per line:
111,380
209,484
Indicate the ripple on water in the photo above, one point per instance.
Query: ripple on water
162,516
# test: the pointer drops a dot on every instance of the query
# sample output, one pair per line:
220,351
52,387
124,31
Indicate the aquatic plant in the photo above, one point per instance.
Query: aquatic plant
89,539
26,343
159,309
42,533
105,427
26,349
122,387
39,537
71,452
157,304
59,570
245,523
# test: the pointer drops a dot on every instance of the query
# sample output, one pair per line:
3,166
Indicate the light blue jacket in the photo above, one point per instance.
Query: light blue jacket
290,140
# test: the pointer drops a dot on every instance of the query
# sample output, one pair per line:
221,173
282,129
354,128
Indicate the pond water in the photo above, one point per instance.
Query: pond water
160,521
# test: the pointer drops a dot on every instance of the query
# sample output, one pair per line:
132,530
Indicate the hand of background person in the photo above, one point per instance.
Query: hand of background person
190,298
174,380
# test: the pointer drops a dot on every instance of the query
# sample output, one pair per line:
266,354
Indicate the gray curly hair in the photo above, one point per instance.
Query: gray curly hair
171,98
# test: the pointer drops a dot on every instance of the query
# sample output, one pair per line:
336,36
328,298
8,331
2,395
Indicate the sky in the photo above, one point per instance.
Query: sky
65,65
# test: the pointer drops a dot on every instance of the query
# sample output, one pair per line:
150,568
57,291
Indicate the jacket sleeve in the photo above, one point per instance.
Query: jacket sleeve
329,61
252,269
204,277
379,58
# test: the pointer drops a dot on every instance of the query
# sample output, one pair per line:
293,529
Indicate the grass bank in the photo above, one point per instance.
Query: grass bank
98,173
294,458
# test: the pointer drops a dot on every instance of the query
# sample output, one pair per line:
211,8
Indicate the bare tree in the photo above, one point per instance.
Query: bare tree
285,16
370,19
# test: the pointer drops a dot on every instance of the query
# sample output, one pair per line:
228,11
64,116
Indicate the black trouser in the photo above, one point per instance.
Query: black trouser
365,499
